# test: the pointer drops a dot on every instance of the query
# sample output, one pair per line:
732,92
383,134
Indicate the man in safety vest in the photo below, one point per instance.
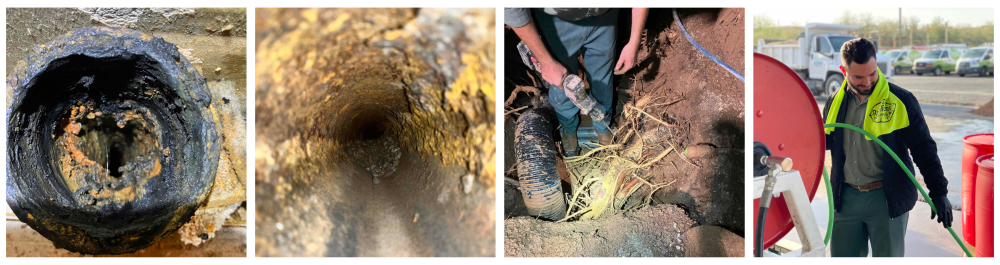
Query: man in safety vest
872,195
557,36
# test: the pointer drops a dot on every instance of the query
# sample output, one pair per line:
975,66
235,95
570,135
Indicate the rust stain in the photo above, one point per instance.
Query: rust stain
85,176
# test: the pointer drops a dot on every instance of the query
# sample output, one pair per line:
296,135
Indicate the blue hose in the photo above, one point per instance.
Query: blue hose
703,51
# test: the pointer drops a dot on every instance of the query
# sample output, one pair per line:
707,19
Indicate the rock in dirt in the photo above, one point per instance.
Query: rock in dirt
380,156
657,231
712,241
467,183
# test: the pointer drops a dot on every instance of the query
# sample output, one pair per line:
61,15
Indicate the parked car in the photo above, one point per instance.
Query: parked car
976,60
937,61
902,59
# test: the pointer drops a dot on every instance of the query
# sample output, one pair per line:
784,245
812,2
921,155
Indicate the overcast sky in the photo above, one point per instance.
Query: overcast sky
801,16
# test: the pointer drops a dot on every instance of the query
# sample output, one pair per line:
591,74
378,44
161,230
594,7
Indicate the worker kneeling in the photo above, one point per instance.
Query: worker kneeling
872,195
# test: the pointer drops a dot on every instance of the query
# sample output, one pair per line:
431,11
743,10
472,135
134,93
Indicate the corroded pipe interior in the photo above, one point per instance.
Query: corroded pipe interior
111,144
105,154
372,135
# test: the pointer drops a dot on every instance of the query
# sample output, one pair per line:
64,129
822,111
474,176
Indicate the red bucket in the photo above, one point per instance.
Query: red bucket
984,206
976,145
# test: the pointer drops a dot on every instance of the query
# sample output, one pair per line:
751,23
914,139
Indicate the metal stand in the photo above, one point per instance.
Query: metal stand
789,184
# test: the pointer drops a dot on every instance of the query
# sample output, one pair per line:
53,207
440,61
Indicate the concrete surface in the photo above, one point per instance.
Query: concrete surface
924,237
230,241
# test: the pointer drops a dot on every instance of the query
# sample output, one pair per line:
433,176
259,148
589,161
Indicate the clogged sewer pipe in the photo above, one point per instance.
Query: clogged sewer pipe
829,190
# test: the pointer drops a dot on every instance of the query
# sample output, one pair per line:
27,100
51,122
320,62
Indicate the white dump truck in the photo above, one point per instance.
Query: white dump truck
815,55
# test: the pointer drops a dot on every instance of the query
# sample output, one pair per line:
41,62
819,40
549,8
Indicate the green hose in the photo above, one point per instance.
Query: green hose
829,199
829,191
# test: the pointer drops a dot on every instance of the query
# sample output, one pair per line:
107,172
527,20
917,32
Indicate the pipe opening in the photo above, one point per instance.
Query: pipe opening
107,141
111,141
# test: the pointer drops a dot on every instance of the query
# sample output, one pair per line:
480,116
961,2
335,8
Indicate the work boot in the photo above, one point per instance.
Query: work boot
604,138
570,145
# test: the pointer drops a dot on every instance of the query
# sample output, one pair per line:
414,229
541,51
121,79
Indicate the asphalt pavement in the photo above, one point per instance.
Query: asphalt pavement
968,91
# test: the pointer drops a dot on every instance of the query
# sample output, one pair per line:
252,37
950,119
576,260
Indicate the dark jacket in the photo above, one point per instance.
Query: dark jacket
916,138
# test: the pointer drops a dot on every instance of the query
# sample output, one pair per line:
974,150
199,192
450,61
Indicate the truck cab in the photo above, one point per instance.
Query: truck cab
825,61
976,60
815,55
937,61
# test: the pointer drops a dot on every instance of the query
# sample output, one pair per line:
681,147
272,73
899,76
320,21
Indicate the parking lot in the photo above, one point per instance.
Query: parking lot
968,91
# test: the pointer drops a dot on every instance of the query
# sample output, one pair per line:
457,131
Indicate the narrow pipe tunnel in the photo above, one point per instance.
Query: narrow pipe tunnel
370,147
382,194
369,132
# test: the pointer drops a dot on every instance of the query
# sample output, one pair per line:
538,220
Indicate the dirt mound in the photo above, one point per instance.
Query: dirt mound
985,110
654,232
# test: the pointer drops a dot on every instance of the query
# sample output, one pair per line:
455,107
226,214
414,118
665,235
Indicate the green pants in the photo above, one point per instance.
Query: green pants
865,217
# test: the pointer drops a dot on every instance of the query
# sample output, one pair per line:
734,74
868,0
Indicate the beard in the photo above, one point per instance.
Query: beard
866,92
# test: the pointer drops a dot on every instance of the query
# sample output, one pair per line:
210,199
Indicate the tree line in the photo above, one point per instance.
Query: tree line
914,32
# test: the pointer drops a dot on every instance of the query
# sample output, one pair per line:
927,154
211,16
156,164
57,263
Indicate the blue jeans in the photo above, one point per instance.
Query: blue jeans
594,37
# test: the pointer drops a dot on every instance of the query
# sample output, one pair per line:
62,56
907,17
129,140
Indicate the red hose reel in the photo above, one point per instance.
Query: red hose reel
787,120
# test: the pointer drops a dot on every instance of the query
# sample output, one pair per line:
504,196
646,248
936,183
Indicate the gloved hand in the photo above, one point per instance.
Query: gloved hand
943,207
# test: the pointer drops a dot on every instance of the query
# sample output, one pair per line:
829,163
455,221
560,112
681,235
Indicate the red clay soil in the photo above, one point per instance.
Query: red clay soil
710,110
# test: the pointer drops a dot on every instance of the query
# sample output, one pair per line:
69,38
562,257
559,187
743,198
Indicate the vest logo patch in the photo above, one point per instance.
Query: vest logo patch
882,112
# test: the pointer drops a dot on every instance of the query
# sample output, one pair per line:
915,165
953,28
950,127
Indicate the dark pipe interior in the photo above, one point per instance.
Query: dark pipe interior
416,201
372,131
111,146
373,126
99,78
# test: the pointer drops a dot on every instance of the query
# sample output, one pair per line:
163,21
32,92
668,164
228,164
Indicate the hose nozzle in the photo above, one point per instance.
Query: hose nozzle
777,161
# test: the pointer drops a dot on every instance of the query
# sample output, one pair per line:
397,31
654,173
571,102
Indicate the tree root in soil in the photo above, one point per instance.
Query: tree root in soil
605,178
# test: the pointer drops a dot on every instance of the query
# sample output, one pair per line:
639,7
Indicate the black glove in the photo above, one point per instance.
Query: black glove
943,207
